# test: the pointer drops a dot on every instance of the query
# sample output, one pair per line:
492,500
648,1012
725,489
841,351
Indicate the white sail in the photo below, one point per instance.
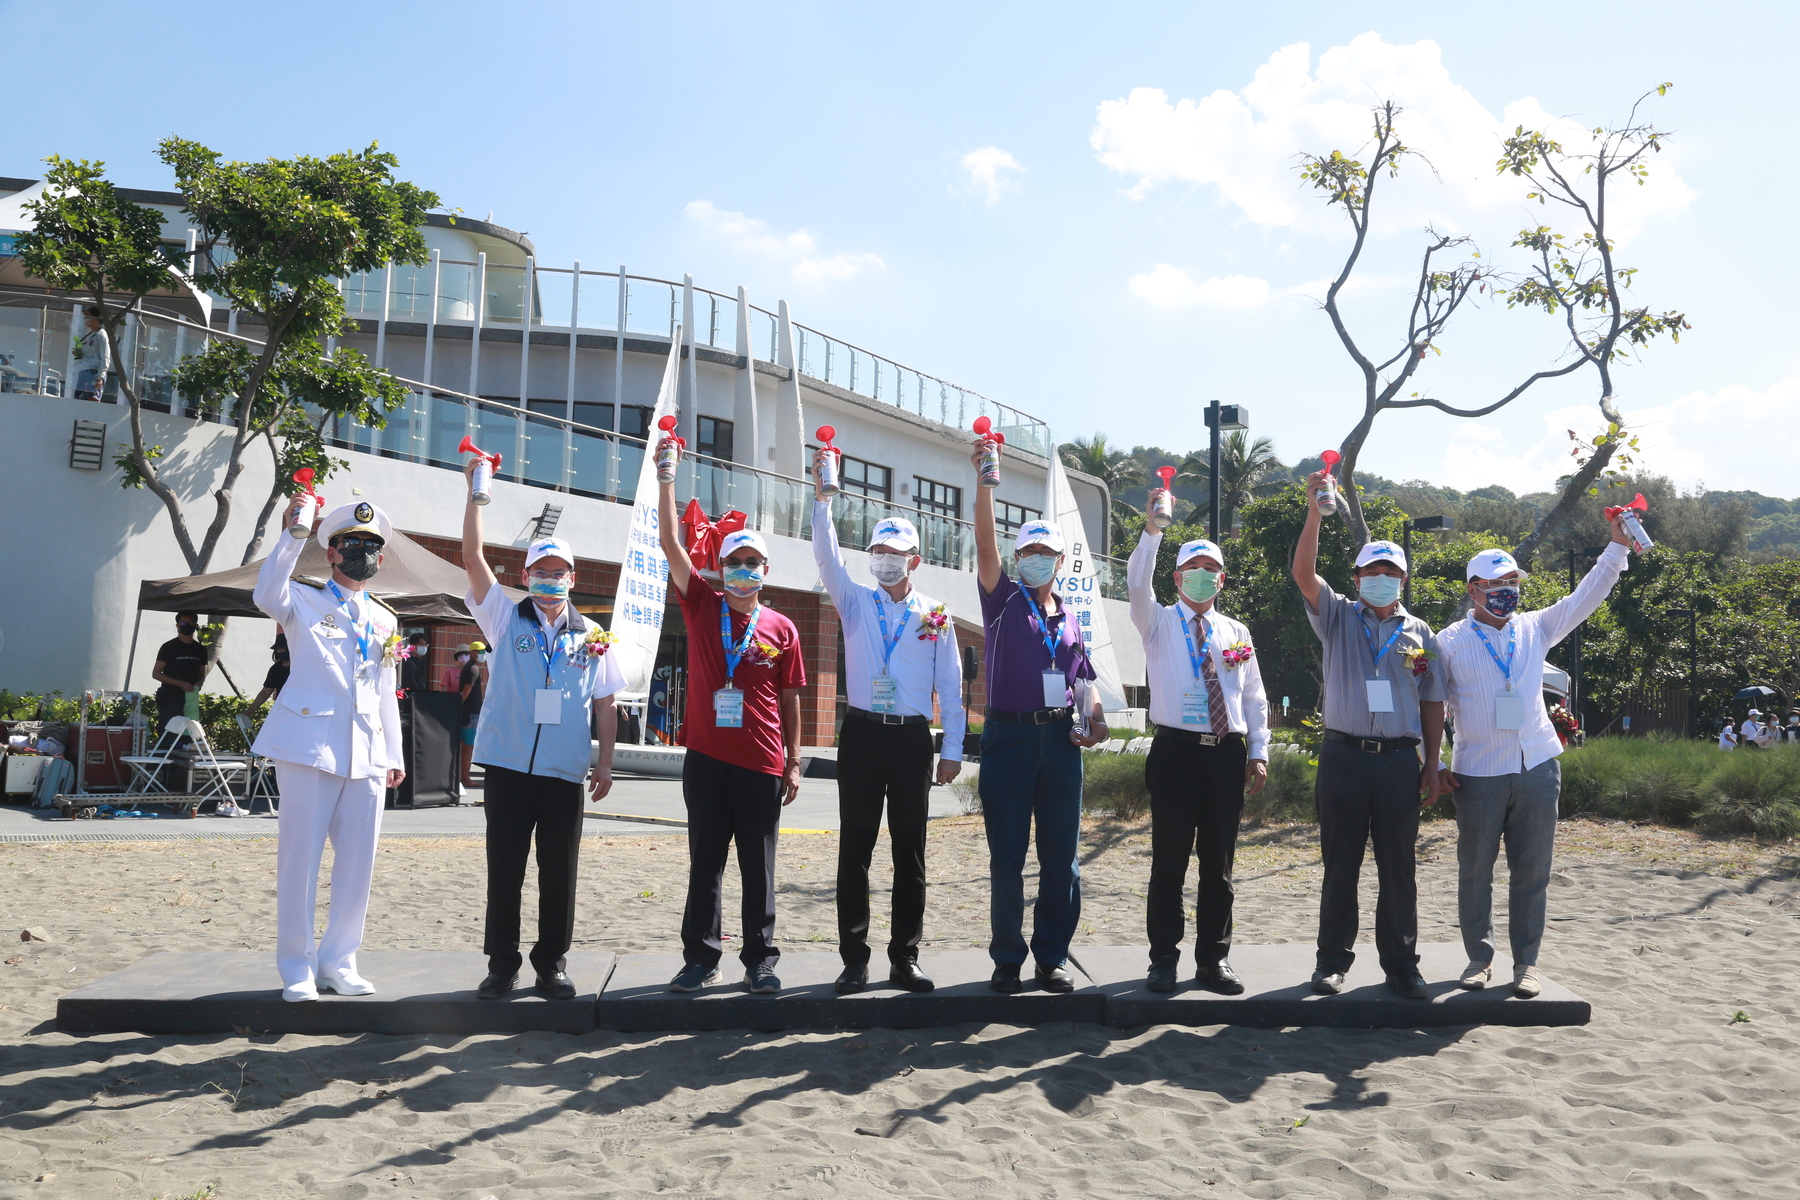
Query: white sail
1079,584
644,570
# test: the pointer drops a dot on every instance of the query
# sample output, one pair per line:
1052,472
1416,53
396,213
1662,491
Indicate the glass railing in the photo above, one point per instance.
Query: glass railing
1111,574
564,298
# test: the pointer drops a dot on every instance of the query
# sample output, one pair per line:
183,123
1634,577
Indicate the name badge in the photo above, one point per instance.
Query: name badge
1509,711
366,685
728,708
1380,695
886,693
1194,711
1056,690
546,706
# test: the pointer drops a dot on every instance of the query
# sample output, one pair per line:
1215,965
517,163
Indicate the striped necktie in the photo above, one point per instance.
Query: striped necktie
1220,722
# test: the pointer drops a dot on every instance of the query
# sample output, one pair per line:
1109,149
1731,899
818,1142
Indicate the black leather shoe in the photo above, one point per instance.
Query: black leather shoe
1328,983
1408,983
1006,979
1219,977
907,975
1055,979
496,985
1161,977
853,979
557,985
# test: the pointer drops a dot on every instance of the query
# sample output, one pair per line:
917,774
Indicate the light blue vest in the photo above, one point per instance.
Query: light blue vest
508,736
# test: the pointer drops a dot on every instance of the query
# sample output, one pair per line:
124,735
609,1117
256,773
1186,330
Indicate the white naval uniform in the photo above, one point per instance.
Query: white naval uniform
334,733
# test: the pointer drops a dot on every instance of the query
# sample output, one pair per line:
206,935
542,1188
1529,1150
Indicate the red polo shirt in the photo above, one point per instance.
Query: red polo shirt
773,664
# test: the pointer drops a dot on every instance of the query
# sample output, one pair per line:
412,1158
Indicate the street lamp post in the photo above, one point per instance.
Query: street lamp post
1220,417
1693,660
1575,647
1423,525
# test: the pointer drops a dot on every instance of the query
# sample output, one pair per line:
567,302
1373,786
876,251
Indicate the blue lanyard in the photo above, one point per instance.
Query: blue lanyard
1043,624
362,628
1512,648
1381,653
735,654
1196,657
887,646
562,647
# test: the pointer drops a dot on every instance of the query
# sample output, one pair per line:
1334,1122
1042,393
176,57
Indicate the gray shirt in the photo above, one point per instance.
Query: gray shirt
1345,628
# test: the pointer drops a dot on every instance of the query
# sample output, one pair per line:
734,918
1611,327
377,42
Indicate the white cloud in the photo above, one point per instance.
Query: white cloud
1166,286
990,171
799,249
1245,143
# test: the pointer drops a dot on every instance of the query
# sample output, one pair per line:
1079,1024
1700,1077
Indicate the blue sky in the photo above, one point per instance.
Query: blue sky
997,194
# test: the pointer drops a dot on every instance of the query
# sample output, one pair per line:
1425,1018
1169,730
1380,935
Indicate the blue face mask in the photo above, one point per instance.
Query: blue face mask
1035,570
1379,591
549,589
1501,601
742,581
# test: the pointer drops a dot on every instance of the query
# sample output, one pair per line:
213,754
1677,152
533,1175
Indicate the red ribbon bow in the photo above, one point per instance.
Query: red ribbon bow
701,537
1640,504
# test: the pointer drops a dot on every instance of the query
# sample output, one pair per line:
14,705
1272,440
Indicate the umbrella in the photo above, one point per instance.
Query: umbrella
416,583
1757,692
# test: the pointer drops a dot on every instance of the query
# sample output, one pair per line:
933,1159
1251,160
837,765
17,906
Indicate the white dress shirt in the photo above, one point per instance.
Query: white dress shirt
919,666
1170,666
1473,679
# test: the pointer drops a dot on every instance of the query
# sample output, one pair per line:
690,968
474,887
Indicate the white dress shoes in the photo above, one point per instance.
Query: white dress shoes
346,983
297,993
1475,976
1525,983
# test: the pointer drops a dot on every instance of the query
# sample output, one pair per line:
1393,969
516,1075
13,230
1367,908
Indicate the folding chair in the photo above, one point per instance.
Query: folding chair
223,772
147,769
262,772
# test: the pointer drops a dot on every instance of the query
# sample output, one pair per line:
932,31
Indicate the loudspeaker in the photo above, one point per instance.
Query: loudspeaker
430,738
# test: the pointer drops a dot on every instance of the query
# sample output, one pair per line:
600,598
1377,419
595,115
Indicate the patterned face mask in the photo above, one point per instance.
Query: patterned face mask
1502,601
359,562
743,581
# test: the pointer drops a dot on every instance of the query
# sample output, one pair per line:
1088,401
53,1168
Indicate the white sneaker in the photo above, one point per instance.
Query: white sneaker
1525,983
1475,976
297,993
346,983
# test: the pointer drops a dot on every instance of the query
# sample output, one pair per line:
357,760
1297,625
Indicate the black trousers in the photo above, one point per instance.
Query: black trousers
1196,802
1362,798
727,804
880,764
520,808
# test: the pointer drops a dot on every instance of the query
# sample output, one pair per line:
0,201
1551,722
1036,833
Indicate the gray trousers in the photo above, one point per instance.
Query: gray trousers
1521,809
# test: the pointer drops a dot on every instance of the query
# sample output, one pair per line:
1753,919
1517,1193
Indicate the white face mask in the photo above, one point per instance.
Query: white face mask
889,569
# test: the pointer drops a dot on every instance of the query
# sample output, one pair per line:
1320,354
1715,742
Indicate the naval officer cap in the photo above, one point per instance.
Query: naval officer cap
896,533
360,517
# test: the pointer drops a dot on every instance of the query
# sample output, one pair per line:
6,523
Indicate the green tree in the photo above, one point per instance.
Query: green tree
1116,469
1250,471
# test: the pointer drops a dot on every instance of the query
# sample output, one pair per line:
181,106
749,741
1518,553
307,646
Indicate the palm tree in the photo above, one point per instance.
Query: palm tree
1115,468
1248,474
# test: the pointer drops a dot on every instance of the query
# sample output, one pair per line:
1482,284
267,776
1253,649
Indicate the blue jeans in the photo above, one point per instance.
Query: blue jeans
1519,809
1032,771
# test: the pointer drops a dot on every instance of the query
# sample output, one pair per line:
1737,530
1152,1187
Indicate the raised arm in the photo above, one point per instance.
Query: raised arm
1140,581
826,553
1560,619
987,545
681,567
274,592
481,576
1306,550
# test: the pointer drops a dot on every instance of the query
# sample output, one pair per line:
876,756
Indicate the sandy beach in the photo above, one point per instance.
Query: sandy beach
1663,1095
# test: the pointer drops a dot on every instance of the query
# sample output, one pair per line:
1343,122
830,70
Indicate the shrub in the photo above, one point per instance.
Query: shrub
1288,796
1754,792
1637,779
1114,784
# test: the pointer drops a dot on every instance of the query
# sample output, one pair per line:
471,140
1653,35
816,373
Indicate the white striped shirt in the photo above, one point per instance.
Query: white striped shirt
1473,679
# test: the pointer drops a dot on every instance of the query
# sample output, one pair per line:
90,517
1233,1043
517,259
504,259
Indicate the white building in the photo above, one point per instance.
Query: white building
83,544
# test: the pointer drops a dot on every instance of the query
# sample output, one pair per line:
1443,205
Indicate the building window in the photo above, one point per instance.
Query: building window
594,416
1009,516
715,438
634,420
938,498
867,479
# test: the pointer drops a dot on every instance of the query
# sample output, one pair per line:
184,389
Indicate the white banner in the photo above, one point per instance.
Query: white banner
644,570
1079,584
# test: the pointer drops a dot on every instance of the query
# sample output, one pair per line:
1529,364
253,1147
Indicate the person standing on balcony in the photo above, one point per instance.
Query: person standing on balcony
93,350
334,733
743,747
1383,699
1211,744
550,690
1508,778
899,648
1030,748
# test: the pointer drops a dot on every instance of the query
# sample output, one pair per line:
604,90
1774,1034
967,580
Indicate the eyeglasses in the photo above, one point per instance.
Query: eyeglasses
357,543
558,575
735,561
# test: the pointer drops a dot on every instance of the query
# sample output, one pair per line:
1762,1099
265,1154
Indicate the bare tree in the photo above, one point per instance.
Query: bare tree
1581,283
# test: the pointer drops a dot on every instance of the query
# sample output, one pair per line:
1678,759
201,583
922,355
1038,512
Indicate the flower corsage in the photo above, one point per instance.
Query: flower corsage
395,650
768,654
1237,654
933,623
597,640
1418,658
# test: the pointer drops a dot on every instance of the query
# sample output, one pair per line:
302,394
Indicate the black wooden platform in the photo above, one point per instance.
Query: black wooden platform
433,992
418,991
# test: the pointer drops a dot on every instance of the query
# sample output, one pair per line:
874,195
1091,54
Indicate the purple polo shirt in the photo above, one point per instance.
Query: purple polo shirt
1015,654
